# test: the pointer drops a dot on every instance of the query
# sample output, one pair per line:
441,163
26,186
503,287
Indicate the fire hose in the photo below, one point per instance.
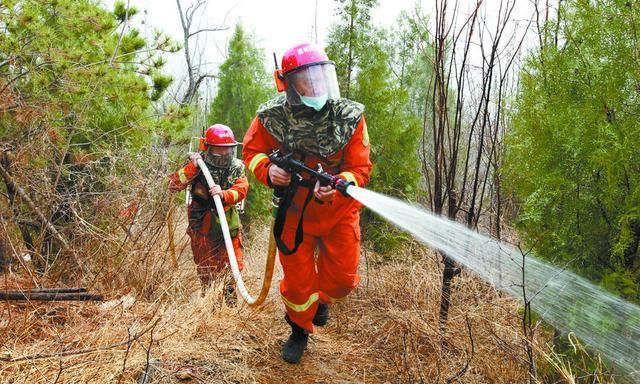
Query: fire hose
233,262
295,167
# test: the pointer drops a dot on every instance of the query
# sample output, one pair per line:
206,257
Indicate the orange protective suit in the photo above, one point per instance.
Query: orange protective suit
331,226
207,243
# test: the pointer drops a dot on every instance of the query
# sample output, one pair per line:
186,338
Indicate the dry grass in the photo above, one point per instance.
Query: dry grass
387,331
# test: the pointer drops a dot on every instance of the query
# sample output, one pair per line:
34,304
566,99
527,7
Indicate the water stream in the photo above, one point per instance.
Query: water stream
570,303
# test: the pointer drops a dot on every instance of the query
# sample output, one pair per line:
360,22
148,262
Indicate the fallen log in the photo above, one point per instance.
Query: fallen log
50,290
40,295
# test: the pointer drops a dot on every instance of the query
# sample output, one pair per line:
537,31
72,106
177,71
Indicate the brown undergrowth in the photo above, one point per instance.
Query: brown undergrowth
155,321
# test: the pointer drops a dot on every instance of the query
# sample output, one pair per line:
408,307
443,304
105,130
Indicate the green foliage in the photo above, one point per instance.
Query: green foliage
74,99
393,130
132,42
243,85
121,12
574,159
414,62
258,203
348,40
172,125
621,283
61,53
160,83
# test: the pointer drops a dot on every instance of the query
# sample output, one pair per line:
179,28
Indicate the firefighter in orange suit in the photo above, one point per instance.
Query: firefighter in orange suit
316,126
227,171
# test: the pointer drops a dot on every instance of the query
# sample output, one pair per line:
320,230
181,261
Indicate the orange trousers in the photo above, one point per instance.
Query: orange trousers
211,257
307,283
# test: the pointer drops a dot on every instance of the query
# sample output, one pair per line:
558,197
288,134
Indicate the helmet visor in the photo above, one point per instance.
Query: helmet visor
220,156
316,82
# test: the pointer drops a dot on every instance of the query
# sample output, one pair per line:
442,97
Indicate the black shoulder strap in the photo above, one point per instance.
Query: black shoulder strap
281,217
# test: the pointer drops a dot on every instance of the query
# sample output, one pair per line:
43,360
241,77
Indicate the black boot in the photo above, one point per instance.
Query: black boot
322,315
230,296
294,347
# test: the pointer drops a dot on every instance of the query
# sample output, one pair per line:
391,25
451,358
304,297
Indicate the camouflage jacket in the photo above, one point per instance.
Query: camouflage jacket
202,214
224,177
304,130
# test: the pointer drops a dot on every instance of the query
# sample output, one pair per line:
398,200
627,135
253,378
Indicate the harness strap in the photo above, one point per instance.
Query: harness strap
282,214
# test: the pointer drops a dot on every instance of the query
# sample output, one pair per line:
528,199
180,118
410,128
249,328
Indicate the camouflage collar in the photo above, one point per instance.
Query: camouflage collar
301,129
225,177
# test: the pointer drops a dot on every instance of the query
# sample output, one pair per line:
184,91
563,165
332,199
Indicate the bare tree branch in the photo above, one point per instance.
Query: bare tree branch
124,27
63,243
194,78
40,356
208,30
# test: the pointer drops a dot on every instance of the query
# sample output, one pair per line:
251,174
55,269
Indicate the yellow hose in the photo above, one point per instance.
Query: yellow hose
268,269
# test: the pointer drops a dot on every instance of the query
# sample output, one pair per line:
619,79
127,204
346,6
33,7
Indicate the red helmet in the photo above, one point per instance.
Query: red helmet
308,76
303,55
220,135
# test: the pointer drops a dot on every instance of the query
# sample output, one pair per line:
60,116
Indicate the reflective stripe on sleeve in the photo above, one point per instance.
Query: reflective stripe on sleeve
301,307
183,178
235,195
256,159
349,177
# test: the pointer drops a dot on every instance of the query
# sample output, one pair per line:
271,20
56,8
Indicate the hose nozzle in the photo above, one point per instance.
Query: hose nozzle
341,185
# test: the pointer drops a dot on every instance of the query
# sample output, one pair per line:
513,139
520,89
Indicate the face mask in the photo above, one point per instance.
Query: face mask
314,102
220,161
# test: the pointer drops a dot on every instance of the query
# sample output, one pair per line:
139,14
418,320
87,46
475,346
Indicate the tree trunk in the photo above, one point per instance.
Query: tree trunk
450,268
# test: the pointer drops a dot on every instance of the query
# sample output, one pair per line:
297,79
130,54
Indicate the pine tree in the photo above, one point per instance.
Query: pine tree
76,89
348,39
243,86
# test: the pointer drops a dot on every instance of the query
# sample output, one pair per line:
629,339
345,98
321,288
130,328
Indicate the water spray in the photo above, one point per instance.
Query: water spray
568,302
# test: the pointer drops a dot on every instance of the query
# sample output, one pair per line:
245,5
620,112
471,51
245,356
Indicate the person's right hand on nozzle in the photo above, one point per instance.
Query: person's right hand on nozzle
194,158
279,176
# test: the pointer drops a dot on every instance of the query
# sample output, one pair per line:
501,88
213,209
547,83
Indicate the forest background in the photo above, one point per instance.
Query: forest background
522,128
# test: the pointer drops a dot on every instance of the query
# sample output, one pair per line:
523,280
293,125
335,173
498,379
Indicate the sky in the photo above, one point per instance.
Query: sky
276,24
